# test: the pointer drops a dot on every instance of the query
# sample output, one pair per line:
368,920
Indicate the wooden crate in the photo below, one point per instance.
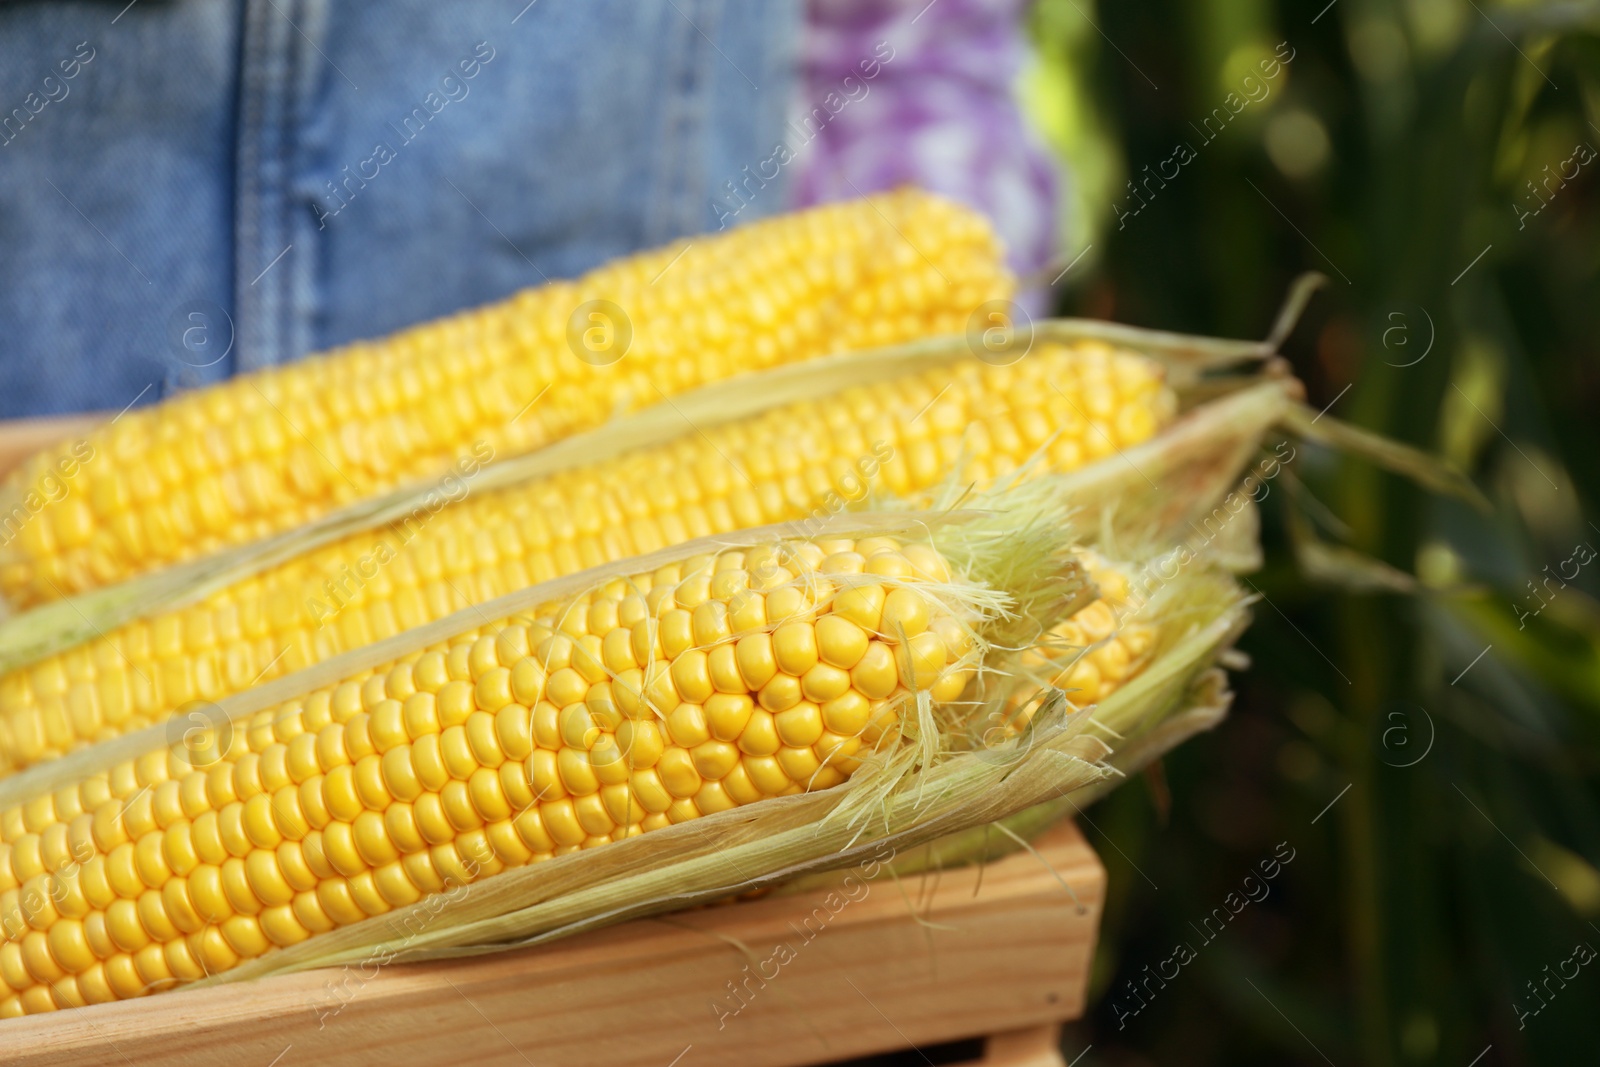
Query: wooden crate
930,959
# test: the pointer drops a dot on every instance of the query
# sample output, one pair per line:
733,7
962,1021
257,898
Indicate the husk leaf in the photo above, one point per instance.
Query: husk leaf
1431,472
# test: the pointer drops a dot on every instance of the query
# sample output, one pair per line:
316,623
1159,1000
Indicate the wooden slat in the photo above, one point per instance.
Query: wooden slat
1007,953
1037,1046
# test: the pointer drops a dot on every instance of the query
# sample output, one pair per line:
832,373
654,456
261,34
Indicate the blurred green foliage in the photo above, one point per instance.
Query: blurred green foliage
1425,154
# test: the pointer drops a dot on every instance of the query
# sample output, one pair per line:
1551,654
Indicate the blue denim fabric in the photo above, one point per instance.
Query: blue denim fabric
266,178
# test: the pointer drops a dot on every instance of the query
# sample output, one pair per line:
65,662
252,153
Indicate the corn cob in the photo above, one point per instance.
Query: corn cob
653,700
1095,652
1100,648
265,452
1085,658
1075,403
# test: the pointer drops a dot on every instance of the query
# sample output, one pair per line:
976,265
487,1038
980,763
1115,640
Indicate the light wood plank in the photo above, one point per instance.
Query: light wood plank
1037,1046
1005,954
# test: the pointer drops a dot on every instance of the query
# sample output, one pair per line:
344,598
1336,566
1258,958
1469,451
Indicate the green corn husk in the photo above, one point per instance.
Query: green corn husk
1160,494
1203,708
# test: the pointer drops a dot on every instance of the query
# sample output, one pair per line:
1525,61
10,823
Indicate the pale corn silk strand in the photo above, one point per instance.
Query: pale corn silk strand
1070,404
269,451
653,700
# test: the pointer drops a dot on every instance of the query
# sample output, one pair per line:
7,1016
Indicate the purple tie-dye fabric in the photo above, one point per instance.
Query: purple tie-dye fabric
940,112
